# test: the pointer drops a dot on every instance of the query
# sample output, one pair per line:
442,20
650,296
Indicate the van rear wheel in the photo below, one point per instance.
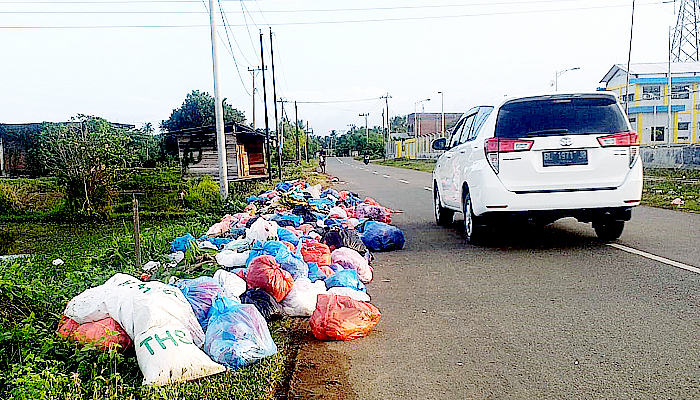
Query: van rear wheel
608,230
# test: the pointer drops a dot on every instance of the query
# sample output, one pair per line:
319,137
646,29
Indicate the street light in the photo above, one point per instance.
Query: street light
442,110
416,127
560,73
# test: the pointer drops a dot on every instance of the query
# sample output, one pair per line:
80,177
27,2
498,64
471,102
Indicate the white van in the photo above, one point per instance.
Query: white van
540,158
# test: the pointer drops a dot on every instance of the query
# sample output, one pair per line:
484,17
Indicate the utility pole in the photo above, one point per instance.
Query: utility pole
277,124
267,124
366,131
254,71
296,125
386,98
306,144
218,109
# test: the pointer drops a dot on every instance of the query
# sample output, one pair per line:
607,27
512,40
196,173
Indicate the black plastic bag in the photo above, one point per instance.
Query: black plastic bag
270,309
337,237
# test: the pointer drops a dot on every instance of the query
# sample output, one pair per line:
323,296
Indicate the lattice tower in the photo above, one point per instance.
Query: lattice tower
684,46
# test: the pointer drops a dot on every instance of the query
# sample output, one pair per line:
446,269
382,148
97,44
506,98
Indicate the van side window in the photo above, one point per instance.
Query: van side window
481,117
468,123
456,133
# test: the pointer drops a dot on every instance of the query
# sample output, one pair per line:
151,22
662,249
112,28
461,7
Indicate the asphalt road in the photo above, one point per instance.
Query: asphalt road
536,313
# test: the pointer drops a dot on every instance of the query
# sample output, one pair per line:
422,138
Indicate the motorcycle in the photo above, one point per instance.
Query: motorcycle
366,159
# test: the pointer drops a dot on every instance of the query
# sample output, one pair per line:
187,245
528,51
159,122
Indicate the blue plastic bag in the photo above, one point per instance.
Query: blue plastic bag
379,236
345,278
287,236
293,263
238,335
182,243
269,248
200,293
315,272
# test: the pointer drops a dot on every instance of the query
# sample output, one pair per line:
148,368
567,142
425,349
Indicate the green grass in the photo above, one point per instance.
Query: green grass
418,165
36,364
662,186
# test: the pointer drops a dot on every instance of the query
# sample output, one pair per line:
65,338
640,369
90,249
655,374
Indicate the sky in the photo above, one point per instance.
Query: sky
134,61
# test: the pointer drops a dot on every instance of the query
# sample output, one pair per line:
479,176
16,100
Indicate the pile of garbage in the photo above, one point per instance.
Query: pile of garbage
293,251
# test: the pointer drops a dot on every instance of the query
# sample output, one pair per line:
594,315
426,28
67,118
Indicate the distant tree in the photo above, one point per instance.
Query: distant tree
198,110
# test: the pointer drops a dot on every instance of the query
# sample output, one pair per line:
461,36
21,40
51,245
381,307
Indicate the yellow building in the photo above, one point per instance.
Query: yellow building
647,100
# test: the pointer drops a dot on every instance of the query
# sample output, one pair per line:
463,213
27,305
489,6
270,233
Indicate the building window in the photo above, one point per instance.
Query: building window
683,126
651,92
680,92
633,119
657,133
629,97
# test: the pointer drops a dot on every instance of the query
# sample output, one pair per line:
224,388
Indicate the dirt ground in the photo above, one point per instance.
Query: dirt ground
320,373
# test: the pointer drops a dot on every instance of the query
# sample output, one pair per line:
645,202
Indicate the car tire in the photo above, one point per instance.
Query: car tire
608,230
443,216
474,230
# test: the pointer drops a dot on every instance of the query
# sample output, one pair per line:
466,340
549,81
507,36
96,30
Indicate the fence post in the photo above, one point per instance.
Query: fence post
137,234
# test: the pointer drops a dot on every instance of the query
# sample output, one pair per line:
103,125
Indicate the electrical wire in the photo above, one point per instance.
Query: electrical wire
486,14
235,63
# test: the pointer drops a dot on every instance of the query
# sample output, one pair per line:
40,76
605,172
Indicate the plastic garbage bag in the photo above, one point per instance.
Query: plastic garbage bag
372,212
232,284
350,258
287,236
238,335
350,292
378,236
181,243
292,263
301,300
105,333
270,248
268,307
231,258
262,230
159,319
313,251
200,292
314,191
265,273
316,273
342,318
345,278
337,237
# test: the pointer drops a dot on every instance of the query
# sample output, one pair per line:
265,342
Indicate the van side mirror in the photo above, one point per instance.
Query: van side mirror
440,144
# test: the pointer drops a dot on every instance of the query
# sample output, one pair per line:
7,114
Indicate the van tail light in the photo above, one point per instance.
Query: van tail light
625,139
494,146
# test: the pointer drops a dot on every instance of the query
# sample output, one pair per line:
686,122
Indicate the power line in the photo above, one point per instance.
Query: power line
342,21
235,63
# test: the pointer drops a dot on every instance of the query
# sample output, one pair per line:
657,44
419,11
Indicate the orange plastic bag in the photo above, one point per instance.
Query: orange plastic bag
265,273
105,333
342,318
313,251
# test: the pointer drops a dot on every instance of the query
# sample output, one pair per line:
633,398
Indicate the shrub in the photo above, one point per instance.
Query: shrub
202,194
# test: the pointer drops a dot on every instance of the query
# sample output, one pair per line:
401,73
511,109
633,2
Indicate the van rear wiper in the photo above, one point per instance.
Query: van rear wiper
548,132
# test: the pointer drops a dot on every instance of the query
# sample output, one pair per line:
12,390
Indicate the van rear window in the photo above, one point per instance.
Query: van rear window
546,116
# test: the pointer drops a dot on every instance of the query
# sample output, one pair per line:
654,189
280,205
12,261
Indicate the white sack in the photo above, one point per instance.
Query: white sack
350,292
301,300
234,286
231,259
262,230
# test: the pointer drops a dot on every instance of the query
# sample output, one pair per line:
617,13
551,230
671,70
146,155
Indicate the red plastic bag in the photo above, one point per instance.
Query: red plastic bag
306,228
265,273
313,251
105,333
342,318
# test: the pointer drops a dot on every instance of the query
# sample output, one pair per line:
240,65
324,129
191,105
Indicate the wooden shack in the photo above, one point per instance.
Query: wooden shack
245,152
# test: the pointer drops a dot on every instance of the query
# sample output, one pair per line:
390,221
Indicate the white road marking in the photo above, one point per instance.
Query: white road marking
655,258
428,188
386,176
403,181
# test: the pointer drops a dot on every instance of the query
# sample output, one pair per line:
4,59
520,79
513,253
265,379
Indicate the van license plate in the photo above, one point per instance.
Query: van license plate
565,157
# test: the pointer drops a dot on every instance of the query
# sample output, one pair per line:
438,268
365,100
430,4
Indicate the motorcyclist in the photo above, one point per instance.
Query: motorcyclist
366,159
